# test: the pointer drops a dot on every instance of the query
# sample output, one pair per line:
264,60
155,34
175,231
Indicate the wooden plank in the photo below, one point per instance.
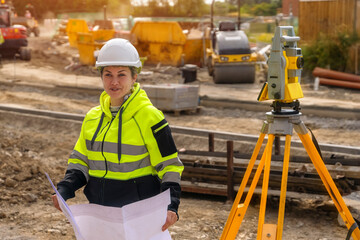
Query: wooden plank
221,191
294,159
297,184
204,189
230,169
301,183
351,172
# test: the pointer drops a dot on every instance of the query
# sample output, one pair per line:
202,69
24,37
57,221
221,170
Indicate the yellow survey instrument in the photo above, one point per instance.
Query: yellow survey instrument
285,65
283,87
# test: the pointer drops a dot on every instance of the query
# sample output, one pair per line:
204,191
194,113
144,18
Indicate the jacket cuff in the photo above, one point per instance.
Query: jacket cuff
175,192
73,180
65,191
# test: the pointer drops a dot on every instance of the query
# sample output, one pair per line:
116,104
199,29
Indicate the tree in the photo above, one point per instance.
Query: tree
118,8
190,8
265,9
180,8
159,8
221,8
55,6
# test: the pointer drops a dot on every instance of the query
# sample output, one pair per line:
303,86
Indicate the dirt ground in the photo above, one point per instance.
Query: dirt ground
31,146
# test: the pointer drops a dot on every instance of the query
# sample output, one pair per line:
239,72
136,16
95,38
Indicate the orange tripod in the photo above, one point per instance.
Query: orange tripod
281,124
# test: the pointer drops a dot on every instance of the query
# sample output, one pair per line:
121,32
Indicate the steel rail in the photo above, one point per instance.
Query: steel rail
206,101
316,110
185,130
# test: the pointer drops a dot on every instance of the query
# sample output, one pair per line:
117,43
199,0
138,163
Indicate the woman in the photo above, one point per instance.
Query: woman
125,151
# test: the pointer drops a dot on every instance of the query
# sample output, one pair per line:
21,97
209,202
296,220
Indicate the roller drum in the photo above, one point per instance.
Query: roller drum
234,73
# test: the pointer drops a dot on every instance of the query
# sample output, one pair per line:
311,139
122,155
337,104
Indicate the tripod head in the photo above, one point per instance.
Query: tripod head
284,74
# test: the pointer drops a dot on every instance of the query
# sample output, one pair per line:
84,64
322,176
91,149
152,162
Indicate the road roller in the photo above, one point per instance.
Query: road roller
229,58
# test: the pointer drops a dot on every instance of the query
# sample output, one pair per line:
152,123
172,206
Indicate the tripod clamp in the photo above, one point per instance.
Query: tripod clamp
278,105
283,124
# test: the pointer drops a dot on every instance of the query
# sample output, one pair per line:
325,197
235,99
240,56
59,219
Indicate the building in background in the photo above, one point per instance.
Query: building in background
327,17
290,8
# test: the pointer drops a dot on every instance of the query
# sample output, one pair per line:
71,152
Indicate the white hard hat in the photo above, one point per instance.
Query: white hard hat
118,52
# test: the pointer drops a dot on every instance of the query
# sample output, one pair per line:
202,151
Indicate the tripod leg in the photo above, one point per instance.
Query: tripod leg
329,183
265,185
283,188
238,210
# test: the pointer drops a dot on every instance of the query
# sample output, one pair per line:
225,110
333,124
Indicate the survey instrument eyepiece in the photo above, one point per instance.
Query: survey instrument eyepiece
284,68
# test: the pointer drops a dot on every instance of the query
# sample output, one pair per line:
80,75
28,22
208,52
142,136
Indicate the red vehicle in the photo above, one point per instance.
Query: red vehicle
14,35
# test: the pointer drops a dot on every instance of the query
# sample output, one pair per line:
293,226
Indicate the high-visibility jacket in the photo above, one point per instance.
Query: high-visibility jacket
125,158
1,38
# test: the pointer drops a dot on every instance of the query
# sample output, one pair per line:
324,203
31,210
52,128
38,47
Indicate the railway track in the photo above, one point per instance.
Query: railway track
220,173
206,101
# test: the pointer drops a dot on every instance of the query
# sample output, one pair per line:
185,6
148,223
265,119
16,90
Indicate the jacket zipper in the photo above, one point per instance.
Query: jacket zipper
102,181
120,134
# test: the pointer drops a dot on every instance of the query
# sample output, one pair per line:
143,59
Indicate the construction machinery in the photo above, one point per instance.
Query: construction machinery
15,38
166,43
157,42
229,58
90,40
31,24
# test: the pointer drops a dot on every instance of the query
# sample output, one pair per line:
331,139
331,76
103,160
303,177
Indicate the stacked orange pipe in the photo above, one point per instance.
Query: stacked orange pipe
335,78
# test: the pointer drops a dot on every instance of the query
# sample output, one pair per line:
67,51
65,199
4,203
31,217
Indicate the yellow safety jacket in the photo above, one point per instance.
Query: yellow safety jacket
1,38
125,158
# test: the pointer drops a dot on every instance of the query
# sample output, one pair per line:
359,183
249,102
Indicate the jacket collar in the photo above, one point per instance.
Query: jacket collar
132,104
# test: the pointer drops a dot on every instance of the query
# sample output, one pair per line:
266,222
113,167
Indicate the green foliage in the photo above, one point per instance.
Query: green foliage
255,7
189,8
198,8
221,9
246,8
117,8
159,8
181,8
150,8
329,51
264,9
277,3
232,8
260,37
252,2
55,6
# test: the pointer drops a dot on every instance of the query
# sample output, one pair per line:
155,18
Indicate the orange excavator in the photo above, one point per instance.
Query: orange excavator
15,38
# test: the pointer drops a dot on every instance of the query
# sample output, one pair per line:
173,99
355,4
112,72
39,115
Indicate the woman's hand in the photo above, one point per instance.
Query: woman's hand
55,202
170,220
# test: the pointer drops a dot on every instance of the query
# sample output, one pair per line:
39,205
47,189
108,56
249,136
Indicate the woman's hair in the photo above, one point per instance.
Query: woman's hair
133,70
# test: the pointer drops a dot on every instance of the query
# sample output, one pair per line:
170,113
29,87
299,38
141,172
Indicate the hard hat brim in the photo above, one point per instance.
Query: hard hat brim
117,63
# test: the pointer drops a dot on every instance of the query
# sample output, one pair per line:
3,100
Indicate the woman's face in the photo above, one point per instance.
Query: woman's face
117,83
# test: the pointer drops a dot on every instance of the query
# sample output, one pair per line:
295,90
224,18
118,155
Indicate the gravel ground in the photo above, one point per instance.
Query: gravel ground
31,146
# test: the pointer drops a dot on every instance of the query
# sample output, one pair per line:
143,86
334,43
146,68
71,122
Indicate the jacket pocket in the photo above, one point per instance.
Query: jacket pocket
164,139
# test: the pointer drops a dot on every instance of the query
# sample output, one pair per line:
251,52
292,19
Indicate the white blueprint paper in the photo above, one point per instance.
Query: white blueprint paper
140,220
67,212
